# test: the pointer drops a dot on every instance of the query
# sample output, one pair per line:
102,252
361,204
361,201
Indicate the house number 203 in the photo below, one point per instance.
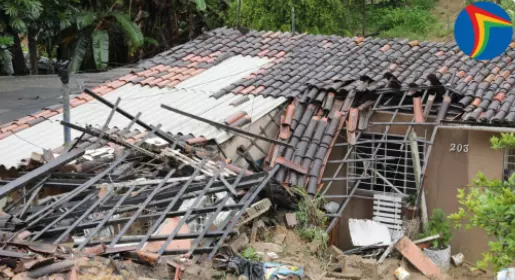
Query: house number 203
459,148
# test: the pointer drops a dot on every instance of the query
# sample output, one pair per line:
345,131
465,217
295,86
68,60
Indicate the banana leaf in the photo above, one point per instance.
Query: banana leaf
86,19
201,4
130,28
79,52
100,41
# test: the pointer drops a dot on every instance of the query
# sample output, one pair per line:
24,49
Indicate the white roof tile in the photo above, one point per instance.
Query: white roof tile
190,96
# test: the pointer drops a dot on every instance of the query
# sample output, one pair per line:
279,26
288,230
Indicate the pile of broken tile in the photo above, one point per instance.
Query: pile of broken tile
127,196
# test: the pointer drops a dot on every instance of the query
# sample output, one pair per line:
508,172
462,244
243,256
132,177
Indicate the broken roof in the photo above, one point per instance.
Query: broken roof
311,68
485,89
191,96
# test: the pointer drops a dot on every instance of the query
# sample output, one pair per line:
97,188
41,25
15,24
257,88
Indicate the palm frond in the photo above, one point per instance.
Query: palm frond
6,41
18,24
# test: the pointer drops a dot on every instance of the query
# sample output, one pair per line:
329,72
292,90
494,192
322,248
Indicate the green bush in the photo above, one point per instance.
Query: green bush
312,16
438,224
424,4
403,19
490,205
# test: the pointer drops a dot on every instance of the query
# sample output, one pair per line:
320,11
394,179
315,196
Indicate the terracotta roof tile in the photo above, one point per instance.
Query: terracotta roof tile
76,102
102,90
163,83
155,81
147,80
5,134
173,83
116,84
248,90
128,77
198,71
18,128
302,58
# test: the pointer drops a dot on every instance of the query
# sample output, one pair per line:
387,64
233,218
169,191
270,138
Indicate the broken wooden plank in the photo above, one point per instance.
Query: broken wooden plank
291,165
413,253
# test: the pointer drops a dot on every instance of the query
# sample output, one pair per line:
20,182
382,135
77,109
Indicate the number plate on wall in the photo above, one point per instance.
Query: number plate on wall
459,148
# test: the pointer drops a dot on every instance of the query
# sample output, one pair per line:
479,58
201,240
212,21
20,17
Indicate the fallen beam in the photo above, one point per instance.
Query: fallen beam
40,171
124,113
413,253
226,127
102,135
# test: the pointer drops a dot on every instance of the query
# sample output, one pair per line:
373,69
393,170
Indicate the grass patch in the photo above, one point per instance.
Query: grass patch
311,220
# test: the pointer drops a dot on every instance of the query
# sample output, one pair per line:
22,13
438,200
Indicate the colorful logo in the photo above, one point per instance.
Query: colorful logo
483,30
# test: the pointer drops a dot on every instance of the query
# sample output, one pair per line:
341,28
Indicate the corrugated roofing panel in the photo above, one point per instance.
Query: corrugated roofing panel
147,100
224,74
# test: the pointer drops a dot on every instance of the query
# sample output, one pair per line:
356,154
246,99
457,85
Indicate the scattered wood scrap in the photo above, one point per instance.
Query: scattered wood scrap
413,253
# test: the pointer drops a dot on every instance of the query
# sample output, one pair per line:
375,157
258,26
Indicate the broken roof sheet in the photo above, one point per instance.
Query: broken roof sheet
135,98
487,88
147,100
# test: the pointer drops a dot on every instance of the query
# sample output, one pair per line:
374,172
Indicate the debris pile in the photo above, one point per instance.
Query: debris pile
128,196
124,204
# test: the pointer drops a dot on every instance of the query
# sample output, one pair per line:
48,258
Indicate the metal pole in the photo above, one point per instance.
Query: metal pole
65,78
229,128
66,115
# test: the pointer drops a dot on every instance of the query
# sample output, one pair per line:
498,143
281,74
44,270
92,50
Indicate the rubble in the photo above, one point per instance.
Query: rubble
409,250
163,206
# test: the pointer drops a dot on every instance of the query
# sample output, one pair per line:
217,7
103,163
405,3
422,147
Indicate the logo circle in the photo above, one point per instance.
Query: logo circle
483,30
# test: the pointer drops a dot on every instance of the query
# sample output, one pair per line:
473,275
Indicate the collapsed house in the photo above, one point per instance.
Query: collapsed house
187,142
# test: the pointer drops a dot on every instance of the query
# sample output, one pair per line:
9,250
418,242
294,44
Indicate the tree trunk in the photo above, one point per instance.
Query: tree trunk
17,52
191,25
174,28
33,52
49,54
63,52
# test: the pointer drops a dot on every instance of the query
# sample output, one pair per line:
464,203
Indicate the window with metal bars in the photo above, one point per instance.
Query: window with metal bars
509,163
392,164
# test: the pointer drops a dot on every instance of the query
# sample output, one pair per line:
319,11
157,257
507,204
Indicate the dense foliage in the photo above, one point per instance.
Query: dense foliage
389,18
101,34
311,16
490,205
98,34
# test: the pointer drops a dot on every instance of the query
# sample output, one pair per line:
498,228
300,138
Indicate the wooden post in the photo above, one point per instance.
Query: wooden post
417,170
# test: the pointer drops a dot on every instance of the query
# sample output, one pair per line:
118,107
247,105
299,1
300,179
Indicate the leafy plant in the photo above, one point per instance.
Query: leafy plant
20,12
308,210
313,16
411,200
490,205
311,220
438,224
250,254
6,41
93,30
5,54
201,4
